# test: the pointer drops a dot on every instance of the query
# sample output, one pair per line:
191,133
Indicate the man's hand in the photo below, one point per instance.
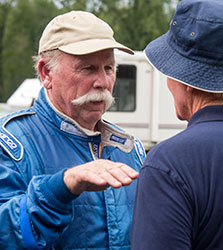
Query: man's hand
98,175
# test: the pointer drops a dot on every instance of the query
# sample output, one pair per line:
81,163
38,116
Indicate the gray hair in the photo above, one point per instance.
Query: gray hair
51,60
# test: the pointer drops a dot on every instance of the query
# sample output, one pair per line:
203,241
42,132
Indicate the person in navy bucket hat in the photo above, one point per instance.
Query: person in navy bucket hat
178,202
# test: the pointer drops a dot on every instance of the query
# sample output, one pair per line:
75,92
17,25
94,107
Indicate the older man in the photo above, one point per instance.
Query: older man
179,197
64,172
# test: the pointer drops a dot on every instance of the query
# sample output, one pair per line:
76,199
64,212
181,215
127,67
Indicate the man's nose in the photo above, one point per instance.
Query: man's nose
102,80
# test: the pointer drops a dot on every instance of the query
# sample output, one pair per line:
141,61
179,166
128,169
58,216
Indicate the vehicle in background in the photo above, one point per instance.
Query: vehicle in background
143,104
22,98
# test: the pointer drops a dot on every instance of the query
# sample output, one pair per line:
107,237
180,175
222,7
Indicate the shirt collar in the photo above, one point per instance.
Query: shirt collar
208,113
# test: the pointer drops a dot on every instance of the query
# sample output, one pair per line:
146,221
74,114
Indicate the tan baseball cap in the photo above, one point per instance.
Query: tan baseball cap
79,33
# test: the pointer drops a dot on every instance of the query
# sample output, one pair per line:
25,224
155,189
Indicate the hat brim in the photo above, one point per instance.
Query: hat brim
194,73
93,45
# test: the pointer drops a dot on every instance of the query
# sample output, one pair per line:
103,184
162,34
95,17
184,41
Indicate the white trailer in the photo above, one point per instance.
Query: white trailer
144,106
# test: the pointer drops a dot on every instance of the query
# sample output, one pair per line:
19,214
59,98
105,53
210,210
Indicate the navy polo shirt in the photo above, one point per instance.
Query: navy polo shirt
179,199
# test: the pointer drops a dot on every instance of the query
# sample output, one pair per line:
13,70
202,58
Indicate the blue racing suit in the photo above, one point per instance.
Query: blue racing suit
37,210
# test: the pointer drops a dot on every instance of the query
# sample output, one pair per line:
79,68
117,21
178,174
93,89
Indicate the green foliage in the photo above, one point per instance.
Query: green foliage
16,46
4,9
69,5
24,24
135,22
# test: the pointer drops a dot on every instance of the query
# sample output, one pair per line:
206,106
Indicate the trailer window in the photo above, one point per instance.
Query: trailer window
125,89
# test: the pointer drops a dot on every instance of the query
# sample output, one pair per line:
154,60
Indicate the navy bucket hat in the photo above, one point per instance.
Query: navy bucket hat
192,50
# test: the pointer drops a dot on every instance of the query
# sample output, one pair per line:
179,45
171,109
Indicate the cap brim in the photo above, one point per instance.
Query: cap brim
93,45
194,73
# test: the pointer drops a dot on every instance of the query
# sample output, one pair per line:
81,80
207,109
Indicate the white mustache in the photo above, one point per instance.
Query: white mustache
95,96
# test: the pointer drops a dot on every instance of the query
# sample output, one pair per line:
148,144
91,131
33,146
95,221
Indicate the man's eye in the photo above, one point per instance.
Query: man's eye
108,68
89,68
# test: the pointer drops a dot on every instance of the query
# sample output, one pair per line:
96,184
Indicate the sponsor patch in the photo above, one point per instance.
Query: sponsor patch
11,145
118,139
8,141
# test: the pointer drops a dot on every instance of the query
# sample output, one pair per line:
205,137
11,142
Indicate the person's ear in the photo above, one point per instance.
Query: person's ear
44,72
189,89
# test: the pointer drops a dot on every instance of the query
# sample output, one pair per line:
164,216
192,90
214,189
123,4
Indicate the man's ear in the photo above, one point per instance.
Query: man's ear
189,89
44,72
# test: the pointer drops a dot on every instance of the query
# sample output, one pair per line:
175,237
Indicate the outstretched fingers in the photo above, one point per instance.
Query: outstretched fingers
122,173
98,175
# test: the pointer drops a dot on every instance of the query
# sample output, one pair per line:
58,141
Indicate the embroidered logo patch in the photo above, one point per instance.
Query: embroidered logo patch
118,139
95,148
8,141
140,148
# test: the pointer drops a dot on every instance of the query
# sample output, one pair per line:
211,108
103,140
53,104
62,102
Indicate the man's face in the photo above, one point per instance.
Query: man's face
77,76
181,99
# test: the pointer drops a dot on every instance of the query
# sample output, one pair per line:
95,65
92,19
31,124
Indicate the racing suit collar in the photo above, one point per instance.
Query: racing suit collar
110,134
68,124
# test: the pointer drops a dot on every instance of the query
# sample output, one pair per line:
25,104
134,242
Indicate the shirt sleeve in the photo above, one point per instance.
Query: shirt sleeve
33,213
163,212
